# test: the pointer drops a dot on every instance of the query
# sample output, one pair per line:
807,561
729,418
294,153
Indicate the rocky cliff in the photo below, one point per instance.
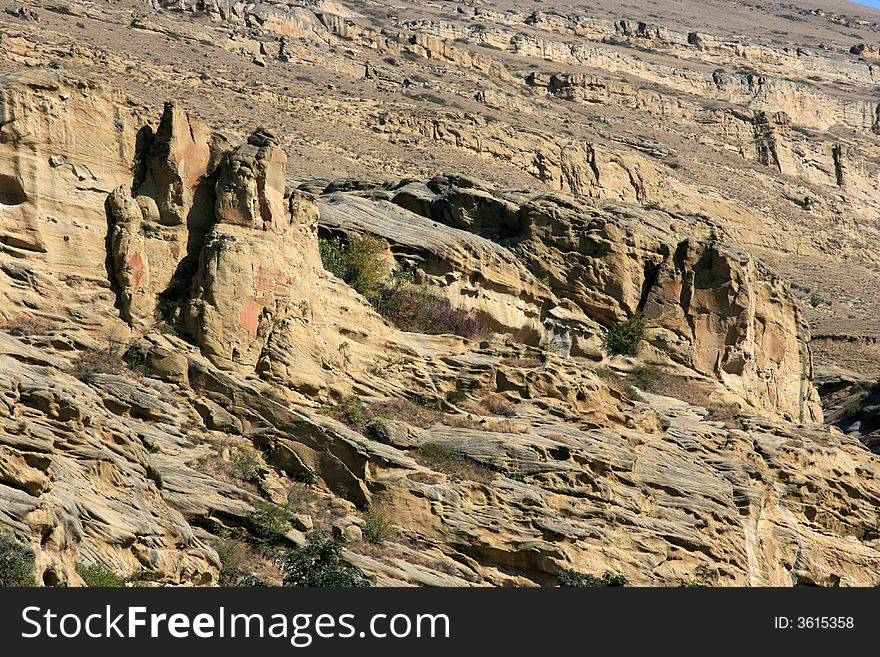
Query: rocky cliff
176,360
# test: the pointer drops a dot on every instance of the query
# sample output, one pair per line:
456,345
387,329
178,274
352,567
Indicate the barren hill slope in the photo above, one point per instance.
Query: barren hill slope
187,386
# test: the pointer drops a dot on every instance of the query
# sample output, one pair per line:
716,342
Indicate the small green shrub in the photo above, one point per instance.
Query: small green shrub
705,575
551,347
852,407
317,565
341,490
584,580
240,578
366,264
245,464
632,393
306,477
625,338
138,359
377,430
350,411
333,256
378,526
608,375
97,576
17,563
269,523
359,263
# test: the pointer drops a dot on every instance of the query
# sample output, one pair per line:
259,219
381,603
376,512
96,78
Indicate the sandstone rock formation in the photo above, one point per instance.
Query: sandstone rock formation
175,359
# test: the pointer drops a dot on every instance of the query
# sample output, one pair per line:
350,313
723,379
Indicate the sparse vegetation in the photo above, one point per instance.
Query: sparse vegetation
646,376
497,405
706,575
378,526
138,359
245,464
382,367
350,411
632,393
551,347
28,326
359,262
17,563
341,490
92,363
97,576
344,349
305,309
423,416
317,564
616,382
417,310
306,477
377,430
522,361
625,338
269,523
241,565
240,578
726,413
852,407
573,578
443,458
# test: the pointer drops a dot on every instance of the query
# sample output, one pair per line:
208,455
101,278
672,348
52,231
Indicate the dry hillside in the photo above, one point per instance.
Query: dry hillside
485,292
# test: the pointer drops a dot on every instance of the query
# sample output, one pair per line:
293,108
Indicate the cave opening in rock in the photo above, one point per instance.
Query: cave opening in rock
11,191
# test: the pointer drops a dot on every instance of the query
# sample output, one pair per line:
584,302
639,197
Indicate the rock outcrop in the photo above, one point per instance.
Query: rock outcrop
709,304
176,364
160,220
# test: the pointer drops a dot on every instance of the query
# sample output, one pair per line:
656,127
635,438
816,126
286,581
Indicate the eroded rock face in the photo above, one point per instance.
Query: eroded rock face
738,323
250,190
64,147
251,279
472,271
709,304
559,461
76,477
259,253
159,228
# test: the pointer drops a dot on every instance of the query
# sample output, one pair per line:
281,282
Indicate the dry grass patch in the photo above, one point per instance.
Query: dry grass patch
429,478
522,361
27,326
445,459
498,405
726,413
241,469
303,500
420,416
237,557
504,426
90,364
694,393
